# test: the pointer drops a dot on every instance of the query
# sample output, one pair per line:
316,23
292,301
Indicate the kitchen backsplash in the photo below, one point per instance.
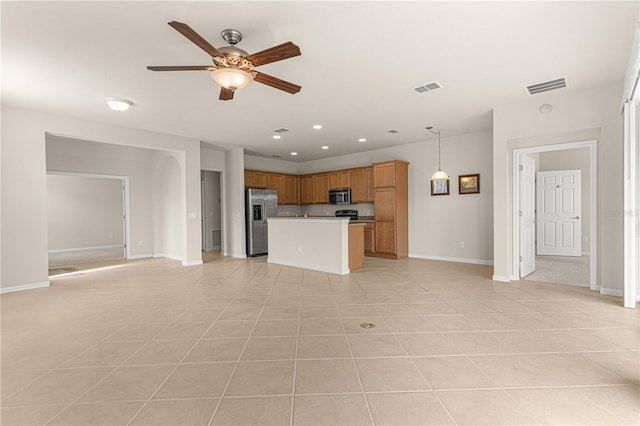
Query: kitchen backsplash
364,209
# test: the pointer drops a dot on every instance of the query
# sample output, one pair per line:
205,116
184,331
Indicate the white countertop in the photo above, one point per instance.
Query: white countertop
314,219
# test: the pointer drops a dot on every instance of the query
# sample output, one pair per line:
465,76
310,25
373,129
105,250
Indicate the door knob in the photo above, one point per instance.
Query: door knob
575,217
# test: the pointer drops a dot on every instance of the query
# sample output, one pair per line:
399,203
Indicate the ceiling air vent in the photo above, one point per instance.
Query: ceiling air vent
393,131
547,86
280,130
427,87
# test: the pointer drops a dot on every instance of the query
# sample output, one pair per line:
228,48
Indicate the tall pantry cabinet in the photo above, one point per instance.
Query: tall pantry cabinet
391,214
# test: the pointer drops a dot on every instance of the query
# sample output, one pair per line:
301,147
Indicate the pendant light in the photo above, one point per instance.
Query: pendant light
439,174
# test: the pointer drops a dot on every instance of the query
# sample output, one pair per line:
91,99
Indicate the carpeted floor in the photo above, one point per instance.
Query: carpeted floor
561,270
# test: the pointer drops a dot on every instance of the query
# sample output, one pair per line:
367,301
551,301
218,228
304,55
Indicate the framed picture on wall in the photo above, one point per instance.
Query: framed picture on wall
469,184
440,187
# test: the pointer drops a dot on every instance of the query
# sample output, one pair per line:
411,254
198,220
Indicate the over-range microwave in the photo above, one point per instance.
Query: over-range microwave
340,196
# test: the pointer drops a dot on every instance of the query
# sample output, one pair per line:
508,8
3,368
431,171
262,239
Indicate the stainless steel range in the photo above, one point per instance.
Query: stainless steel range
351,214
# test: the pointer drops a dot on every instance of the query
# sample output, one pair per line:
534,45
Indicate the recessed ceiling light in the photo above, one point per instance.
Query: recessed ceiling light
317,126
118,104
362,140
294,153
325,147
276,136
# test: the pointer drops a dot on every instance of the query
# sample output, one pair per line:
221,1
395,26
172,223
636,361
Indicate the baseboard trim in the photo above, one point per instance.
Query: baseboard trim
502,278
24,287
140,256
168,256
452,259
236,255
611,292
337,271
192,262
72,250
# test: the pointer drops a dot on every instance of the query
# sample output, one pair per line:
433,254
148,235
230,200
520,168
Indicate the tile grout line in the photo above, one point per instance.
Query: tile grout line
446,409
114,369
295,363
237,363
175,367
355,367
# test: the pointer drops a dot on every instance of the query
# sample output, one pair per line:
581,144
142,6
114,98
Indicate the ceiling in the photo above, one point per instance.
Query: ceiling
359,63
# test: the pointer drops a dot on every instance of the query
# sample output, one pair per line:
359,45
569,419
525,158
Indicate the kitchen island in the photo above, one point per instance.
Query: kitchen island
318,243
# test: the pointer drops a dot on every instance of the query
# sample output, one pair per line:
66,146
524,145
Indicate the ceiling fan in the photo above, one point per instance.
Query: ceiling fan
232,67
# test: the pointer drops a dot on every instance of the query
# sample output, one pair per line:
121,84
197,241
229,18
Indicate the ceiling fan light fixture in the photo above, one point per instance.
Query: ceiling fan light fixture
232,78
118,104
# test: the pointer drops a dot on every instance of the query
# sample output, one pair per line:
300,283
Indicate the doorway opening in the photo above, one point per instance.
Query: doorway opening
211,215
87,220
553,268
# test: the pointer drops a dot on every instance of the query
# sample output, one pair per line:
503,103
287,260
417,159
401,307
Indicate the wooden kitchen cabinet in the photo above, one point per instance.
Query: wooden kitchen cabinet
276,181
306,189
255,179
291,190
391,209
321,188
369,187
339,179
356,179
369,239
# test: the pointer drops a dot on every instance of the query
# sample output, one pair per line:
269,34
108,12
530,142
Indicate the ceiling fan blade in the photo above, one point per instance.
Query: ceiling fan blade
181,68
277,83
274,54
195,38
226,94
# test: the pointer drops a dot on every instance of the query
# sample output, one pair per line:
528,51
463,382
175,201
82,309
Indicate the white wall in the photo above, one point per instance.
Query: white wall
576,116
84,212
438,224
23,178
81,156
234,244
253,162
168,206
573,159
212,206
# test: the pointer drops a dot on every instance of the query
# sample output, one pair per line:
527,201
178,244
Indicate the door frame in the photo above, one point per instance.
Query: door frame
125,201
593,190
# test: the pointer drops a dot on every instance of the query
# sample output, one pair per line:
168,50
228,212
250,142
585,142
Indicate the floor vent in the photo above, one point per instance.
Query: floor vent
427,87
546,86
280,130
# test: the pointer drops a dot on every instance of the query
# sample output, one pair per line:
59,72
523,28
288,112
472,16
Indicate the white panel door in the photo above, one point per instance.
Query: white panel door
527,216
558,202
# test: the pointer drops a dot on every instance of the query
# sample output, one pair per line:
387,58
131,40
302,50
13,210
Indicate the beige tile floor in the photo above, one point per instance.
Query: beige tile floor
240,342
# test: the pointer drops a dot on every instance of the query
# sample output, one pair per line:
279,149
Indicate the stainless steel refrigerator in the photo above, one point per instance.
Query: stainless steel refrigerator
260,204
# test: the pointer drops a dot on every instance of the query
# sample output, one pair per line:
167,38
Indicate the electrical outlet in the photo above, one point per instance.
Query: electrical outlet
585,239
461,244
111,236
140,243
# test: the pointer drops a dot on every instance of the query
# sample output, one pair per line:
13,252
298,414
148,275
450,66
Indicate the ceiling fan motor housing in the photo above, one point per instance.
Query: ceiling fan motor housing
231,36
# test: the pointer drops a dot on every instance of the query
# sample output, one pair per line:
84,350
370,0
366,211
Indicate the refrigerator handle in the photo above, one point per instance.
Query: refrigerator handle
264,212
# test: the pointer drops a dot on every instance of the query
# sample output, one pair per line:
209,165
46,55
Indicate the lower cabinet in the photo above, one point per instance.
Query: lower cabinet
369,239
385,238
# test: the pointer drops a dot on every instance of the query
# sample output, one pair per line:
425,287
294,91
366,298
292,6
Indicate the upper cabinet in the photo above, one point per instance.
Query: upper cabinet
340,179
314,188
288,186
356,177
369,187
321,188
306,189
276,181
255,179
291,190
